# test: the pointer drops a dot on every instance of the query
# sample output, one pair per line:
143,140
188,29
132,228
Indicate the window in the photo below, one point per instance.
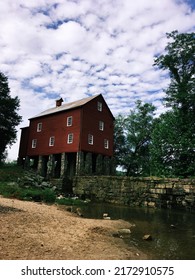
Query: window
106,144
34,143
90,139
70,138
99,106
39,127
69,121
101,125
51,141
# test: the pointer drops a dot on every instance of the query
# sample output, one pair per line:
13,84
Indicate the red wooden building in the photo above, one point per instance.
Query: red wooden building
74,138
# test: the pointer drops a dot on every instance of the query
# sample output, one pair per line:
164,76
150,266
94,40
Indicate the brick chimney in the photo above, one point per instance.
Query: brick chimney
59,102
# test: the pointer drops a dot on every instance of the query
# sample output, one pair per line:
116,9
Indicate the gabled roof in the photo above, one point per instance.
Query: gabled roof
65,107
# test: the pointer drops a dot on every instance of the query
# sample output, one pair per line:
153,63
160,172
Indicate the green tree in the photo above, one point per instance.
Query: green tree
174,136
133,140
9,117
120,148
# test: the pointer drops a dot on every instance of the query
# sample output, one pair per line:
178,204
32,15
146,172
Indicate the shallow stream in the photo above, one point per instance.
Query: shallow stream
173,232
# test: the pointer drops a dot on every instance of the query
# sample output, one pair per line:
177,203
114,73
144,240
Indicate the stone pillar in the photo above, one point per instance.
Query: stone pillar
50,167
99,165
112,166
106,165
88,164
40,166
27,162
79,163
64,165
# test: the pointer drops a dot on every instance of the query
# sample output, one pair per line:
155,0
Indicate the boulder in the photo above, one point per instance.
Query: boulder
79,212
124,231
105,215
147,237
151,204
106,218
45,185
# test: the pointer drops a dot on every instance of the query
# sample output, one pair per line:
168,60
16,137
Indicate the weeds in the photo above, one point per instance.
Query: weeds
9,188
30,194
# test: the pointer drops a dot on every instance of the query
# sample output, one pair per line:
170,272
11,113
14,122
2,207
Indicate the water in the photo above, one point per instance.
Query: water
173,232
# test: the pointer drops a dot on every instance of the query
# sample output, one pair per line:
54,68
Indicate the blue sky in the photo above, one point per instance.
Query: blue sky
73,49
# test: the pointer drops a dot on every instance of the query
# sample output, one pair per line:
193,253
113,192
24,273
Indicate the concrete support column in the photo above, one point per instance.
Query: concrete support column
64,165
88,164
79,163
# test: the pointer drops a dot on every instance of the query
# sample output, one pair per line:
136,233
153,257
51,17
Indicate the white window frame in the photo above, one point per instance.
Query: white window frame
51,141
34,143
99,106
101,125
69,121
90,139
70,138
39,127
106,143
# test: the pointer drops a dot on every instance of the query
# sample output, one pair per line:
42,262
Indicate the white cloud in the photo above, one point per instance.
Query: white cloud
73,48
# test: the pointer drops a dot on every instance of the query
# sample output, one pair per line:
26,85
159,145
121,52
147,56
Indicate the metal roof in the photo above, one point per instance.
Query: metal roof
66,106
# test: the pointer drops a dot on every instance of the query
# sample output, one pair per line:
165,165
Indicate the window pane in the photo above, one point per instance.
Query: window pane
106,144
34,143
101,125
69,121
99,106
39,127
51,141
90,139
70,138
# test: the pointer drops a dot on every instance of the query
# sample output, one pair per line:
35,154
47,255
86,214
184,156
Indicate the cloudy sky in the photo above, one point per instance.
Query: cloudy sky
77,48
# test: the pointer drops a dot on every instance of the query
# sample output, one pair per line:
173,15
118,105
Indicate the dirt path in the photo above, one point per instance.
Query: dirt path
31,231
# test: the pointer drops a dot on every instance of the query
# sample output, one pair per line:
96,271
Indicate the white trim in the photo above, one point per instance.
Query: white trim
69,121
39,127
90,139
101,125
99,106
106,143
34,143
70,138
51,141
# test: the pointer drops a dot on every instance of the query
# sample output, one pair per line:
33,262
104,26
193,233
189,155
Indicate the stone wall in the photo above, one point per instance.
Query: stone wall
149,192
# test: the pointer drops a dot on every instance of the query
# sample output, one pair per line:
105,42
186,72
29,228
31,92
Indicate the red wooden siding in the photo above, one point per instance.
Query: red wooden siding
90,125
24,142
85,121
55,125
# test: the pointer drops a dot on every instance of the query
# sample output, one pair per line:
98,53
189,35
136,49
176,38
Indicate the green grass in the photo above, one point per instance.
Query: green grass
9,174
30,194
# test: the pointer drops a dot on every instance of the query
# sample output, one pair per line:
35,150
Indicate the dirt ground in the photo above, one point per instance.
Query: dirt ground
32,231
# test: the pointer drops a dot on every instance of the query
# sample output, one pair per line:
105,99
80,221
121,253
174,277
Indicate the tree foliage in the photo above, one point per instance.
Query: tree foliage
179,60
165,145
174,136
132,136
9,117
